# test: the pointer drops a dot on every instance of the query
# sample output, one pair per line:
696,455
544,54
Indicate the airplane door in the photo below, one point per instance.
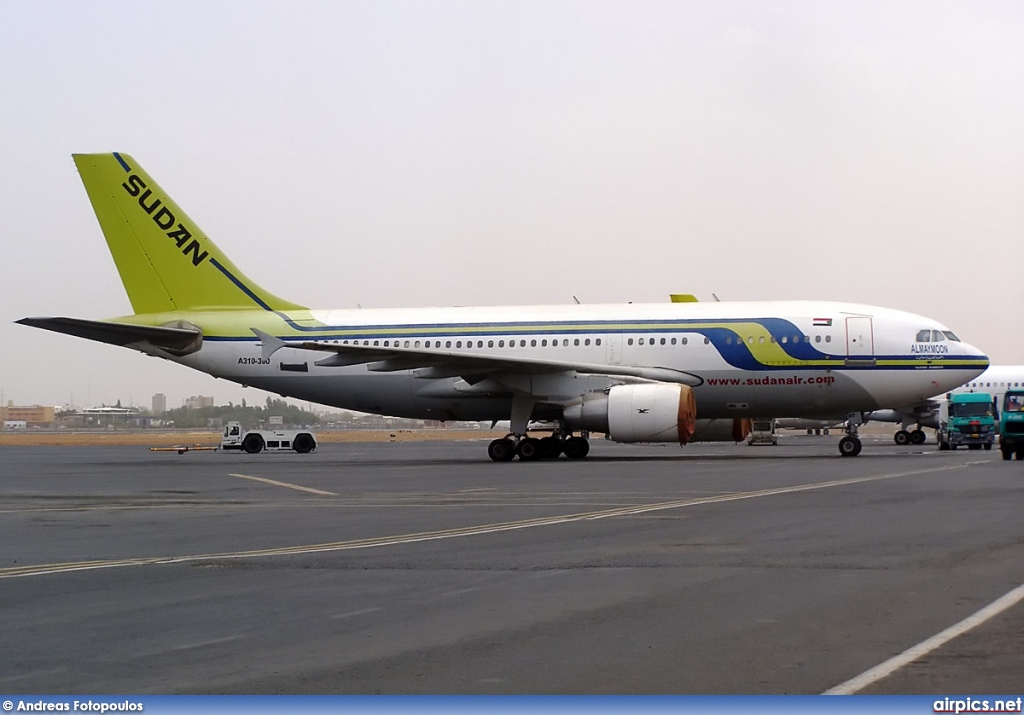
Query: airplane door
614,348
860,340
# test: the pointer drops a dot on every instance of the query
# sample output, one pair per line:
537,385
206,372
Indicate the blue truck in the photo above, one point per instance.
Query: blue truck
967,418
1011,425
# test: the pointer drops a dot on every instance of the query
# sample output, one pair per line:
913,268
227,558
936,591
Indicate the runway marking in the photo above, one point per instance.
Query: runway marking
361,612
379,541
927,646
275,483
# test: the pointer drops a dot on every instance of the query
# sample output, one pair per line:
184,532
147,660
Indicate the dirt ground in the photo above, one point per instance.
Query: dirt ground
170,439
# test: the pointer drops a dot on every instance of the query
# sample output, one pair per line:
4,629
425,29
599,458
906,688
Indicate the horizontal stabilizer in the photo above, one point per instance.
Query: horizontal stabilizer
179,341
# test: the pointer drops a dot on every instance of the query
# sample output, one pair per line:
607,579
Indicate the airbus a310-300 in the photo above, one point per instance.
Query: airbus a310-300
639,373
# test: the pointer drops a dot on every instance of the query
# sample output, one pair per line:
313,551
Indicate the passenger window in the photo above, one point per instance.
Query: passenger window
828,338
586,341
629,342
663,341
576,342
448,343
785,339
640,341
544,343
533,343
817,338
458,344
750,340
597,342
761,340
673,341
684,341
707,341
728,340
490,343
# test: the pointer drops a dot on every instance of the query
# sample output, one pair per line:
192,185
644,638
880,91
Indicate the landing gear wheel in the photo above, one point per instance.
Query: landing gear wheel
1006,454
501,450
252,444
988,446
918,437
849,446
550,448
528,449
576,448
902,437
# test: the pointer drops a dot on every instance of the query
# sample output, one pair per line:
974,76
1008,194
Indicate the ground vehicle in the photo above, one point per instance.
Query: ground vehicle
763,432
1011,425
255,441
968,418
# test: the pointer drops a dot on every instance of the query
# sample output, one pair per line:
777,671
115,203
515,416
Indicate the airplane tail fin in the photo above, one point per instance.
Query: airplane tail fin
165,261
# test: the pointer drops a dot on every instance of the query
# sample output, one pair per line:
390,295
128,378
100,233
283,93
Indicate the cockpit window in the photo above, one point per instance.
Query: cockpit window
924,336
949,334
938,337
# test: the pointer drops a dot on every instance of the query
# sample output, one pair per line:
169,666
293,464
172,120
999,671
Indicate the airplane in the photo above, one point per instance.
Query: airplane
637,372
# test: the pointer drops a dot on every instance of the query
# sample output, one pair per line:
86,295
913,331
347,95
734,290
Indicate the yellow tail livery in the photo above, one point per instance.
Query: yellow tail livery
165,261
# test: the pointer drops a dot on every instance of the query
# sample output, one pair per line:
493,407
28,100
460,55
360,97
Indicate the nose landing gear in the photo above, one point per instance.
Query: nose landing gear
850,446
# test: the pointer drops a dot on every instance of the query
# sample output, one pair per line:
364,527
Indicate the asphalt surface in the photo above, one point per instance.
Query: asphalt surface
426,568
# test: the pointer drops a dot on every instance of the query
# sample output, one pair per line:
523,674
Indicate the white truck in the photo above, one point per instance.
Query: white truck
255,441
763,432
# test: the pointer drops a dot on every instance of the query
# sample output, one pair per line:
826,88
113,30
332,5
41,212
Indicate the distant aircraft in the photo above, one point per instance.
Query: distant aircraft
640,373
995,380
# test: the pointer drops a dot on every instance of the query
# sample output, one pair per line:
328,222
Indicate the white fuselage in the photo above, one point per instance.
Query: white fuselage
770,359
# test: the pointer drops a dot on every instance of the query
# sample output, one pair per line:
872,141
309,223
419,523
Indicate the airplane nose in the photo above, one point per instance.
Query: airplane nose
977,358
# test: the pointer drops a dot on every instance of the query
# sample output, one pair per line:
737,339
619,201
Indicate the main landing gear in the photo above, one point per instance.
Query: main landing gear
517,444
850,446
529,449
916,436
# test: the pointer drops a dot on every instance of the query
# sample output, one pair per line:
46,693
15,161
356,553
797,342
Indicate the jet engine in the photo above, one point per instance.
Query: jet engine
658,412
734,430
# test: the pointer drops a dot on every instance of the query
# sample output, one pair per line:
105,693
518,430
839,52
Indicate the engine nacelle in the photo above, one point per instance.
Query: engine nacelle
726,430
637,413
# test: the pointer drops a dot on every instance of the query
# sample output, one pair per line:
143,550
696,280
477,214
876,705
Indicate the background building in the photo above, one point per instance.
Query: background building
159,403
197,401
34,416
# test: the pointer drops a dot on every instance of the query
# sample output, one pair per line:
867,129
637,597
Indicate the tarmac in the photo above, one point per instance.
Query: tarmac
423,567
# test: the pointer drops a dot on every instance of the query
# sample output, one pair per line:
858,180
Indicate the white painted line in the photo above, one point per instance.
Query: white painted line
923,648
285,484
352,614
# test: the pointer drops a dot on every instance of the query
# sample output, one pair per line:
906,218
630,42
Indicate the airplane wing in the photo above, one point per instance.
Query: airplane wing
432,364
179,341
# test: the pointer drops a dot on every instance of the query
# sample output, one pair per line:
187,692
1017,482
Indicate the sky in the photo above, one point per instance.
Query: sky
394,154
